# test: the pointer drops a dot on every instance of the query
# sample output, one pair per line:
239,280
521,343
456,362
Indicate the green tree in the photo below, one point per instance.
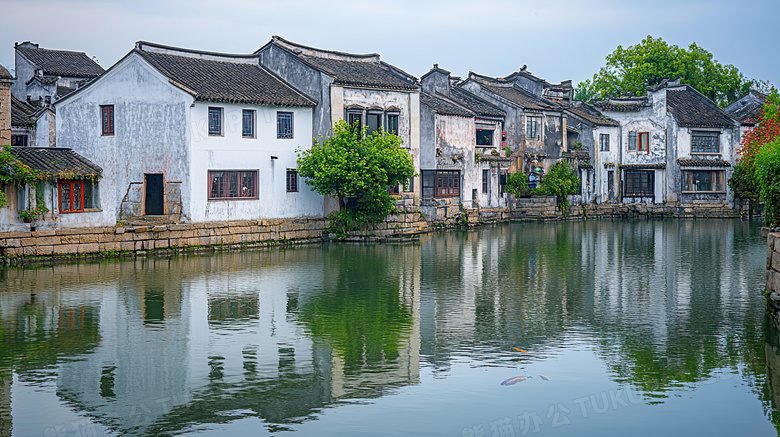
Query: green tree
516,183
768,178
560,181
357,168
636,67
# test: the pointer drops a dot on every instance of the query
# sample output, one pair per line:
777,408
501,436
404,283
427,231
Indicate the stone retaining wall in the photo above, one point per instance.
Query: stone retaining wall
16,247
773,273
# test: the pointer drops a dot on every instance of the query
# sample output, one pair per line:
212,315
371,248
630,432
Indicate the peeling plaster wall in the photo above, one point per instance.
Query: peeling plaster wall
24,70
602,158
45,129
152,135
456,140
233,152
513,123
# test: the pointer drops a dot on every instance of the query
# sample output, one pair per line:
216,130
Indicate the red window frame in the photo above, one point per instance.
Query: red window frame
224,190
107,120
65,190
643,142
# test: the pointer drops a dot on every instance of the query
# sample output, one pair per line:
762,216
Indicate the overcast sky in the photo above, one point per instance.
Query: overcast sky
556,39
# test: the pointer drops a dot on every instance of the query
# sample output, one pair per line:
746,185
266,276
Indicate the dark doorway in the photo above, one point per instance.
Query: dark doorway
154,194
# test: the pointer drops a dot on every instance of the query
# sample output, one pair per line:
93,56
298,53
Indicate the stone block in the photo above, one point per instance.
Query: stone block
69,239
49,241
44,250
239,229
161,244
113,246
89,238
88,248
44,233
65,249
28,250
13,252
189,233
142,236
29,242
160,228
776,262
127,246
120,230
13,242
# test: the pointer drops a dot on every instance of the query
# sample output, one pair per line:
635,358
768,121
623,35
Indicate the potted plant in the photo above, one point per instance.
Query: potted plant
28,215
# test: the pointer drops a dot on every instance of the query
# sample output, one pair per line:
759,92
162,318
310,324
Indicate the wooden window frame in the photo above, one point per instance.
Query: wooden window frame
219,113
71,184
533,130
603,142
687,182
705,134
107,120
638,173
291,178
240,174
643,142
283,134
392,127
485,180
252,123
447,183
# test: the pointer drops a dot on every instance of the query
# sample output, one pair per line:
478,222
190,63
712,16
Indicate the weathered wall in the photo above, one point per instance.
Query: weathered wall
5,112
83,242
24,70
604,162
45,128
232,151
152,134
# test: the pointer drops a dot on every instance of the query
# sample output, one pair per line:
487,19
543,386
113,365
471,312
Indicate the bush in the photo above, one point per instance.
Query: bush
516,183
560,181
768,177
743,181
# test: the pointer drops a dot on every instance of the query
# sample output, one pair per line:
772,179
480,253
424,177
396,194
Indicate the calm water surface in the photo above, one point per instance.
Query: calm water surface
640,328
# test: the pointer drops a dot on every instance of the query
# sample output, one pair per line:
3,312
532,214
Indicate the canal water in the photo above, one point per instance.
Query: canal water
612,328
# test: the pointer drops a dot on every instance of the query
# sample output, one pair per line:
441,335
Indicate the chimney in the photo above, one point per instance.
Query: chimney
5,106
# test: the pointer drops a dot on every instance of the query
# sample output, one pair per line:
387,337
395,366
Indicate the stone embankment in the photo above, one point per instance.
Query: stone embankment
773,272
81,243
407,224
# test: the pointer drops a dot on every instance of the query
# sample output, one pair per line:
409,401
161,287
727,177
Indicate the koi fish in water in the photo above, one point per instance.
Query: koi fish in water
515,380
544,377
521,350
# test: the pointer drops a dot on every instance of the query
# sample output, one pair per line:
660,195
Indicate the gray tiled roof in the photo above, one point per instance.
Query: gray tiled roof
4,74
614,107
590,114
643,166
360,73
475,103
61,62
218,81
444,107
522,98
692,109
748,108
22,114
56,160
703,163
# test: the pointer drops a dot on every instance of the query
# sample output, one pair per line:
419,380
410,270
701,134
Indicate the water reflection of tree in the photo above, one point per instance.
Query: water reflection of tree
360,311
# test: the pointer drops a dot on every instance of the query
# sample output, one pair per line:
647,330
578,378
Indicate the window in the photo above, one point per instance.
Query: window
704,181
392,124
292,180
374,122
107,120
447,183
532,127
485,137
71,196
355,120
248,123
215,122
639,183
705,142
232,184
19,141
638,141
284,125
485,179
91,195
604,142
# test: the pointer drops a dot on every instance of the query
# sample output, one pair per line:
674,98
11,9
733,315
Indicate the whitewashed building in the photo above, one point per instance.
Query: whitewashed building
191,136
357,88
675,146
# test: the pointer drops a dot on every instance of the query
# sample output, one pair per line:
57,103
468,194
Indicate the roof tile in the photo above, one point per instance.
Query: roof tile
61,62
56,160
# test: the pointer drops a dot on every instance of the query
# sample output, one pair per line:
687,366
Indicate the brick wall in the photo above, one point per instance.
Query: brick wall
5,112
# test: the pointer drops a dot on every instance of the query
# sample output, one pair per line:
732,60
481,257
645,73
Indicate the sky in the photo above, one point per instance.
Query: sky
556,39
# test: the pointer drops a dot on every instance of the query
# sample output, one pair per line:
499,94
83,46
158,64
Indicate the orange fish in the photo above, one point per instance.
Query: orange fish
521,350
515,380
